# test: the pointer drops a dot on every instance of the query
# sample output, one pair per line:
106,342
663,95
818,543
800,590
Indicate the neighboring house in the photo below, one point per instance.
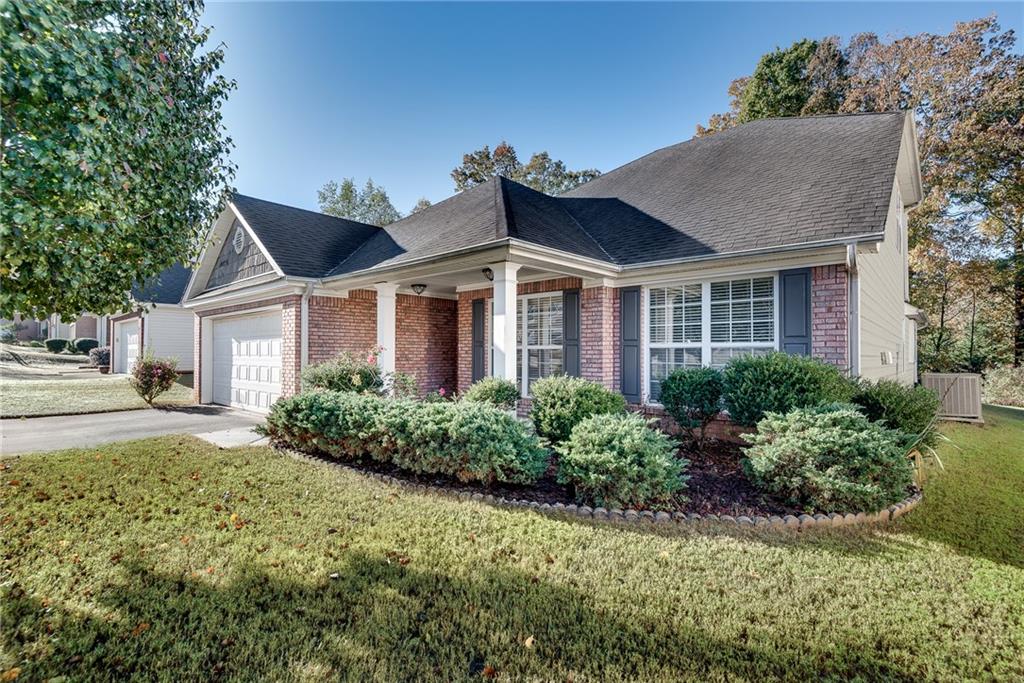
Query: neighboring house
86,325
159,323
782,234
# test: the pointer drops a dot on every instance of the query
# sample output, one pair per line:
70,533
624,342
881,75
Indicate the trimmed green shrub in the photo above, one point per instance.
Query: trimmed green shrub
55,345
347,372
497,391
560,403
84,345
151,376
1005,386
778,383
401,385
469,441
693,397
828,461
35,343
99,356
618,461
910,410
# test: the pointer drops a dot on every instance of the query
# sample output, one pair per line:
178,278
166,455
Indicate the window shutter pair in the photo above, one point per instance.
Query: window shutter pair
570,335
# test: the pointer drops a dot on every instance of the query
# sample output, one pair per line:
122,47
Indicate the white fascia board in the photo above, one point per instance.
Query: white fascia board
269,290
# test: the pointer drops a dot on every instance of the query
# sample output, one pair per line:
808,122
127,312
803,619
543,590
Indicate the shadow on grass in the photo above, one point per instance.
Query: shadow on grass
380,620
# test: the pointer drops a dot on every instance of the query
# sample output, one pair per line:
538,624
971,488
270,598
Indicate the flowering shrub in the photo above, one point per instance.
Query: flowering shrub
347,372
151,376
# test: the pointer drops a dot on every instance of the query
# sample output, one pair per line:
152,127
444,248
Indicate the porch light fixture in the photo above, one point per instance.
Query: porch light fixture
488,273
419,289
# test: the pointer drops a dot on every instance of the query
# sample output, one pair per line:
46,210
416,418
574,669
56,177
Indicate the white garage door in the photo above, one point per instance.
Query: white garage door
247,361
128,345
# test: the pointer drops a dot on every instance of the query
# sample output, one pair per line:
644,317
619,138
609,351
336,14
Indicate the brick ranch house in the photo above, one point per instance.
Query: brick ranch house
783,234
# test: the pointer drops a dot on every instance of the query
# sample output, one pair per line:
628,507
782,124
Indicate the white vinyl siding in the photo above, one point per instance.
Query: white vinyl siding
170,333
707,323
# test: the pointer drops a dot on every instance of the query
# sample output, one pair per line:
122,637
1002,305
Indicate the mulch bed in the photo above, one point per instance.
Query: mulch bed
717,485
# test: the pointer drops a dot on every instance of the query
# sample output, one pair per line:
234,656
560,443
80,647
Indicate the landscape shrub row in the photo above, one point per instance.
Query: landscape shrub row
467,440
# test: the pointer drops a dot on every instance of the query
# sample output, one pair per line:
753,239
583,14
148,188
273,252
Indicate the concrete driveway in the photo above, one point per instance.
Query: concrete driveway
222,426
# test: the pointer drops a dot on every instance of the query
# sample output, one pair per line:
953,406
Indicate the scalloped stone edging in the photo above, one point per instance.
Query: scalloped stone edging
617,516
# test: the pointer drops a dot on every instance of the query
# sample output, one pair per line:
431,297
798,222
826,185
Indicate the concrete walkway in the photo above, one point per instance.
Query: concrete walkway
222,426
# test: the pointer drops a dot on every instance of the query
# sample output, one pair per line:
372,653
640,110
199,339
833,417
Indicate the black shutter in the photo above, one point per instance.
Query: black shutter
571,332
629,298
795,311
479,341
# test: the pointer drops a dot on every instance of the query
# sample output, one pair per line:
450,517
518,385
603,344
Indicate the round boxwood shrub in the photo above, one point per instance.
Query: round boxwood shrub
693,397
778,383
497,391
560,403
618,461
84,345
910,410
833,460
56,345
339,423
99,356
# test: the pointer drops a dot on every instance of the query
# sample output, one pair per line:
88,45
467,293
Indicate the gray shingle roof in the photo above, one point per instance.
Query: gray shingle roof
303,243
768,183
765,184
166,288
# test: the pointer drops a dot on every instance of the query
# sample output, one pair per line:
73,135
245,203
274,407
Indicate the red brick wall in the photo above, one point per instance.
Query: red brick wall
829,315
426,340
340,324
465,320
599,342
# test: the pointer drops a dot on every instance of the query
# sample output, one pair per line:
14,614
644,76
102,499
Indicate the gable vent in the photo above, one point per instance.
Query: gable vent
239,239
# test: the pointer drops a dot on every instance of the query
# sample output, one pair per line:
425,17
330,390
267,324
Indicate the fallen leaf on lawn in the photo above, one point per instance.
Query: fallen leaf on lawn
210,570
529,642
14,482
549,558
11,674
185,540
141,628
490,672
218,507
471,536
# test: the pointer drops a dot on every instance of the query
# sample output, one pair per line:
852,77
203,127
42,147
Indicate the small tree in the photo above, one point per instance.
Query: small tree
153,376
693,397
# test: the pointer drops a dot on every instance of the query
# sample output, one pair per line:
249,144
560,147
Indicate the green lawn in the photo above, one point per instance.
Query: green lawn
171,559
65,396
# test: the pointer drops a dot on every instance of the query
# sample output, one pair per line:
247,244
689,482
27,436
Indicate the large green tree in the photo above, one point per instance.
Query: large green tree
541,172
369,205
966,90
114,156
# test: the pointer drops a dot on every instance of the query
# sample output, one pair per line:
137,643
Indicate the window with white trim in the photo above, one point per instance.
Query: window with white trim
539,338
707,324
674,331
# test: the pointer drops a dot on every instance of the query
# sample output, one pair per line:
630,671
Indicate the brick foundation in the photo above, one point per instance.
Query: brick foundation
829,315
426,341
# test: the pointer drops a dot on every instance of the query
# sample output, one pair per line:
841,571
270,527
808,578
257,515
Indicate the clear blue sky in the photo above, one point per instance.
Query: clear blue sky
398,92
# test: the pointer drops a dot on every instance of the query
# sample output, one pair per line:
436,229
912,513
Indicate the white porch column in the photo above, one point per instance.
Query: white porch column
503,323
386,324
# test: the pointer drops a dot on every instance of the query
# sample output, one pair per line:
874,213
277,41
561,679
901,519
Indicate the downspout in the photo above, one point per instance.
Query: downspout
853,305
304,328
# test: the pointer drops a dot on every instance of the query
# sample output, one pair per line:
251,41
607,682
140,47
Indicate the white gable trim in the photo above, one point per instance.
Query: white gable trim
218,235
252,235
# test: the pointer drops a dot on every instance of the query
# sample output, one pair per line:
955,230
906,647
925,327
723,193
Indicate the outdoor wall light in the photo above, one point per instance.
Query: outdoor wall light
419,289
488,273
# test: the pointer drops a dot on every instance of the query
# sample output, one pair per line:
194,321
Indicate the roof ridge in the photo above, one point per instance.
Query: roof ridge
504,218
561,207
299,208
